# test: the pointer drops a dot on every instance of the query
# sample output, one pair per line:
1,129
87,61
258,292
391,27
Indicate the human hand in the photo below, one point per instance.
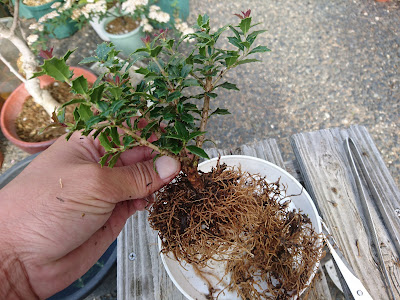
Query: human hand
63,211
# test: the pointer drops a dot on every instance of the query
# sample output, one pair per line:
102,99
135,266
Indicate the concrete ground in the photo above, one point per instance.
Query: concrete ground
333,64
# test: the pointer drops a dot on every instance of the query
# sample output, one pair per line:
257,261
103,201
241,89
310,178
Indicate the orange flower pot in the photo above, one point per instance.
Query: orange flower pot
13,106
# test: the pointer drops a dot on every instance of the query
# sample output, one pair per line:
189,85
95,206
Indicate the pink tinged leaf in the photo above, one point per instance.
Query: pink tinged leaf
247,13
239,16
46,54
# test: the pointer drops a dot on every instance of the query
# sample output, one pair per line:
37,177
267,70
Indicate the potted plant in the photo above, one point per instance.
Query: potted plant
34,87
217,218
34,8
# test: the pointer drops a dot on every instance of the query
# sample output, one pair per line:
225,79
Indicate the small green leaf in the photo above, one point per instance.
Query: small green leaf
235,31
73,101
104,159
89,60
245,25
103,50
84,112
187,118
105,142
252,36
80,85
56,68
197,151
231,60
181,130
196,134
115,136
114,159
97,93
154,52
175,95
186,70
220,111
246,61
236,42
228,86
190,82
259,49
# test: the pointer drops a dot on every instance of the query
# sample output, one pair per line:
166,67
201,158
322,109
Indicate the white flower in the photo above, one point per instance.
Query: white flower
36,26
130,6
157,14
76,13
50,15
183,27
55,5
146,26
32,38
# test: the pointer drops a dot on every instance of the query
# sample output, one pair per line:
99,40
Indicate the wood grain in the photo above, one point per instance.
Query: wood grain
330,182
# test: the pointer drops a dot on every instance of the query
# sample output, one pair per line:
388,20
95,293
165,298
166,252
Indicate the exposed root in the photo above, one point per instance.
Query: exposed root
243,221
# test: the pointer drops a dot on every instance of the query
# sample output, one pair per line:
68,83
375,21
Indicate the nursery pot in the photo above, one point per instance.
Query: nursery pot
172,7
62,31
35,11
183,275
13,106
127,42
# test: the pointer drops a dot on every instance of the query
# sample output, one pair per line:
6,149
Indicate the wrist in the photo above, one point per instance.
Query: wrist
14,281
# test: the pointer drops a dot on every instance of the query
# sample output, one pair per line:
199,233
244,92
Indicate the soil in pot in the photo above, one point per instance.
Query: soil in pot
243,221
33,118
122,25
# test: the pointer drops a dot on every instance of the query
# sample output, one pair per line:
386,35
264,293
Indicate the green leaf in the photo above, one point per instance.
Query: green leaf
56,68
197,151
105,142
66,56
104,159
259,49
252,36
190,82
236,42
80,85
154,52
228,86
181,130
73,101
187,118
103,50
231,60
246,61
235,31
115,136
127,140
89,60
212,95
220,111
97,93
114,159
186,70
196,134
245,25
175,95
85,112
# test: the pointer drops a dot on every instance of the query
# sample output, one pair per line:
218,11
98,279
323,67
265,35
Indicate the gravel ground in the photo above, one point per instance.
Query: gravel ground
333,64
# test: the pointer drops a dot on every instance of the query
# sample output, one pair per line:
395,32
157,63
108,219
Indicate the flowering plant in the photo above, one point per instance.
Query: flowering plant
148,14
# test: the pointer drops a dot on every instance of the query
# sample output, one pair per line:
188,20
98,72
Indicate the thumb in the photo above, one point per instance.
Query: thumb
140,180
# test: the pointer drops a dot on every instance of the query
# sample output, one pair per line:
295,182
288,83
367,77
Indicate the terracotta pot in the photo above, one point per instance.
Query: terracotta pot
13,106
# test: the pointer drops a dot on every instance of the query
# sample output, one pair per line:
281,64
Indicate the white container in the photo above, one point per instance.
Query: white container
183,275
98,26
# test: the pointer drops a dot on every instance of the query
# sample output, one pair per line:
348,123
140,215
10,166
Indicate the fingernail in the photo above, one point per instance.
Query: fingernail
167,166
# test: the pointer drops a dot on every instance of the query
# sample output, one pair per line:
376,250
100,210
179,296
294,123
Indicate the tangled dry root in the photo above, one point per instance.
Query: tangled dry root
245,220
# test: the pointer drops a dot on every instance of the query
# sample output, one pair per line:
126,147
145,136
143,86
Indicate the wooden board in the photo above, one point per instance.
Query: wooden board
145,278
328,178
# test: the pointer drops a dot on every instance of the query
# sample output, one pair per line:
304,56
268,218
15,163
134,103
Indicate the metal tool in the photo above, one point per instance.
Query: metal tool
357,289
354,159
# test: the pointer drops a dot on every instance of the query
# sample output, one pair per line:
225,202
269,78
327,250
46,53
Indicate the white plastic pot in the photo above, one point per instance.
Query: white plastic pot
98,26
183,275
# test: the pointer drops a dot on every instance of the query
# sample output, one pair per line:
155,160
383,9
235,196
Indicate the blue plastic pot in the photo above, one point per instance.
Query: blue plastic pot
173,6
128,42
36,12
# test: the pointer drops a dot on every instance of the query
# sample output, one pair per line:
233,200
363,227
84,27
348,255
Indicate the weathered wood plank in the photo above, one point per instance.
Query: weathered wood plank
145,277
328,179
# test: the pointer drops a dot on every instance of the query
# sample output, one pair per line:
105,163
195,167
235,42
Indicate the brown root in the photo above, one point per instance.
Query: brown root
245,222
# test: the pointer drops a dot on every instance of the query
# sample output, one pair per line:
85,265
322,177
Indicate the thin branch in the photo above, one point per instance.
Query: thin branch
12,69
16,17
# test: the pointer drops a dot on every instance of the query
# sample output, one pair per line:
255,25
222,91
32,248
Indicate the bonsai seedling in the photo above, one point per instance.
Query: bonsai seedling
225,215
